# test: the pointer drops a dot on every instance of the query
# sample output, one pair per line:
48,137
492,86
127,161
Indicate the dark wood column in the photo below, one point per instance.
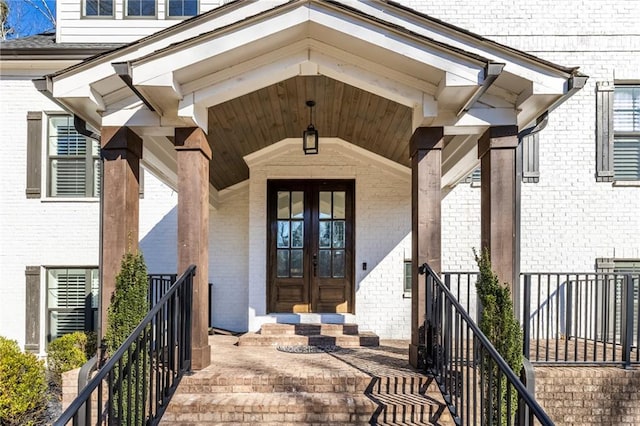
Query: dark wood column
121,150
194,155
426,233
499,203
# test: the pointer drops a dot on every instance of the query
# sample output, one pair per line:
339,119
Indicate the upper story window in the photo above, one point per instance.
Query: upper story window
626,132
141,8
96,8
73,161
181,8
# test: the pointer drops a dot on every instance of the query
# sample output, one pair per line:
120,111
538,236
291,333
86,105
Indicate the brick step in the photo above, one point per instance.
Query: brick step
408,400
254,408
404,385
346,340
409,409
308,329
270,383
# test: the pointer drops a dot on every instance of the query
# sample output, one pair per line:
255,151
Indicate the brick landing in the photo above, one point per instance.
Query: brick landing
260,385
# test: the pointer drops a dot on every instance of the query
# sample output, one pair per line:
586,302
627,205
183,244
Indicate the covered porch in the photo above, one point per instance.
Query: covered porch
405,106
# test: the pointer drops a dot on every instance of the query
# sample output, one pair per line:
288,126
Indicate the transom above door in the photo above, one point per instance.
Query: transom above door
310,246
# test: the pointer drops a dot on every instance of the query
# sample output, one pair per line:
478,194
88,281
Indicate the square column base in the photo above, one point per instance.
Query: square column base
200,357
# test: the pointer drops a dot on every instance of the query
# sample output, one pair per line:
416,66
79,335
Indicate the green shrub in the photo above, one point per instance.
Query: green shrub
66,353
23,386
128,308
499,324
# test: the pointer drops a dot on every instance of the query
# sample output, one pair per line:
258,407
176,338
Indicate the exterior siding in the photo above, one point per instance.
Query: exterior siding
72,27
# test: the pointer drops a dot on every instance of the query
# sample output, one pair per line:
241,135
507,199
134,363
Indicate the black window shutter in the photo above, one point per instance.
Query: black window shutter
530,159
34,154
32,309
604,131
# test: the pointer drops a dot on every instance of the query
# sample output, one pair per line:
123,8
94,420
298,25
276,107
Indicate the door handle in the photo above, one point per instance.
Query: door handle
315,263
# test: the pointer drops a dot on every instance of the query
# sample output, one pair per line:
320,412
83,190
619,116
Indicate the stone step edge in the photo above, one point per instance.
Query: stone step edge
288,402
356,383
307,329
346,340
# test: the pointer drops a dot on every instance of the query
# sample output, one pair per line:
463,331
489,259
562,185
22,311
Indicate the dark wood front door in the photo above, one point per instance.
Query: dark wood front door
310,246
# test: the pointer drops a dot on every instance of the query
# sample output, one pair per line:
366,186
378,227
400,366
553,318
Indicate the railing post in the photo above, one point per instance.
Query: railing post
526,318
569,315
627,320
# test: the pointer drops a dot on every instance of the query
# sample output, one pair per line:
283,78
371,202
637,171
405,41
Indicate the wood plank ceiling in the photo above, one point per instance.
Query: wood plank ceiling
254,121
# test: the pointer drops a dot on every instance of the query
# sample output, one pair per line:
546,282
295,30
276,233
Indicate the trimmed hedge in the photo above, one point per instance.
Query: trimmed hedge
66,353
23,386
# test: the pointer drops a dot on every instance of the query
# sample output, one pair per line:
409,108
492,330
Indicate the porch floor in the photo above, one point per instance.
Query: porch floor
365,385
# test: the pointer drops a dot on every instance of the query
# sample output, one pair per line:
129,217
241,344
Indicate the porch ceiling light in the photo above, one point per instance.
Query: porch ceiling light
310,136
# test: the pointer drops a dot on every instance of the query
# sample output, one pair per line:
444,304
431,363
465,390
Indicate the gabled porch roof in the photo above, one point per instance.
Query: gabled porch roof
376,70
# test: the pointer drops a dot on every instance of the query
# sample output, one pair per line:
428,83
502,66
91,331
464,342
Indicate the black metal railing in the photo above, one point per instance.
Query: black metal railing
137,382
159,284
582,318
570,318
477,384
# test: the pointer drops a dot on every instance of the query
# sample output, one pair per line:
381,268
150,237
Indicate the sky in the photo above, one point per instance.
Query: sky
26,19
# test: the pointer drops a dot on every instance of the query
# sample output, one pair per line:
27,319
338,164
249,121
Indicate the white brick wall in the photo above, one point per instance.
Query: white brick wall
568,220
52,232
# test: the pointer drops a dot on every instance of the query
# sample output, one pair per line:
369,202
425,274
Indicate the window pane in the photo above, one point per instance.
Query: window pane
283,205
96,178
98,7
141,7
296,263
325,234
95,288
339,205
626,158
407,276
68,294
325,205
338,234
283,263
283,234
297,204
68,178
297,234
338,264
183,7
324,263
626,109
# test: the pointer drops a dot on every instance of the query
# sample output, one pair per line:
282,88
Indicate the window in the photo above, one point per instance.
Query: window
95,8
139,8
73,160
473,178
407,276
181,8
626,133
72,300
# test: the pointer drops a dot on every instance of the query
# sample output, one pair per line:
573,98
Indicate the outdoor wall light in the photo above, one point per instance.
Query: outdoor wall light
310,136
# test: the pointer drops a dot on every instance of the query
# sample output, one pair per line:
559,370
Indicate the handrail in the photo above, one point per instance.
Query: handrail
153,345
450,359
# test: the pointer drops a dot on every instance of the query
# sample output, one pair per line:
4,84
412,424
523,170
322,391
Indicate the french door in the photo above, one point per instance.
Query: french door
310,246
